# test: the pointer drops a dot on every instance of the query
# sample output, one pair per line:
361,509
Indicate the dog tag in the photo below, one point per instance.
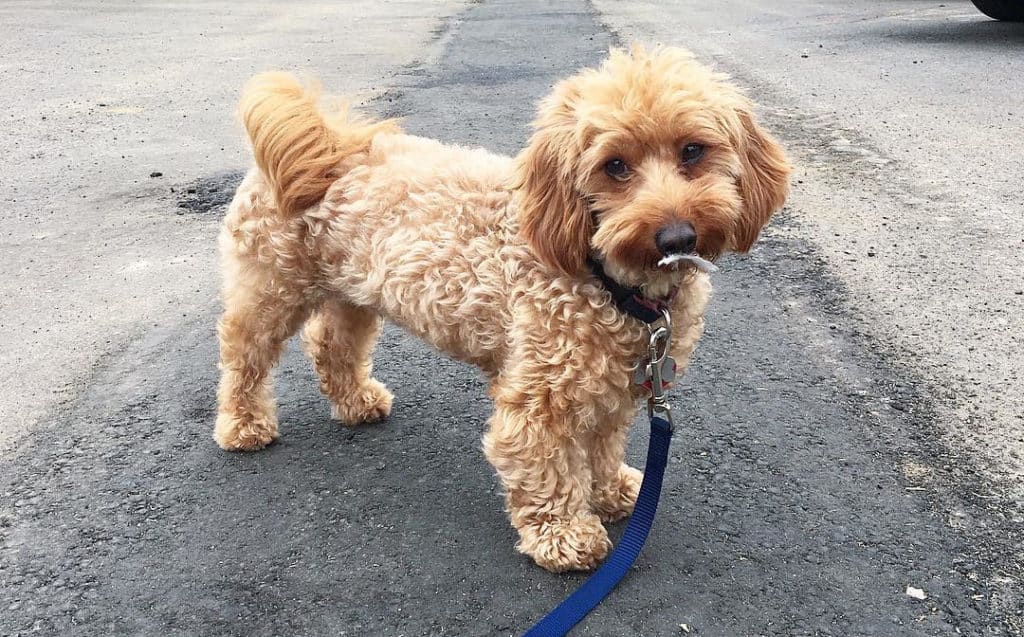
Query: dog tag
668,370
642,375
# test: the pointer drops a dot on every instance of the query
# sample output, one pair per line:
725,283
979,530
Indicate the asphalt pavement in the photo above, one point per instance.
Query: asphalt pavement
813,478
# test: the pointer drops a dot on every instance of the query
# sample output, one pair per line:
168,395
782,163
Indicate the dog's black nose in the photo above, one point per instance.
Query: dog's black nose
678,238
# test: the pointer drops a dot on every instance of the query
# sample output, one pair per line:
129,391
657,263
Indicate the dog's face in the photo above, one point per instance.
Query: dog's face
650,155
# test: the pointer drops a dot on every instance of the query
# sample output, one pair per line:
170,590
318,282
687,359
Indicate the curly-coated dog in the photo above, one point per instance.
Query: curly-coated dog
506,263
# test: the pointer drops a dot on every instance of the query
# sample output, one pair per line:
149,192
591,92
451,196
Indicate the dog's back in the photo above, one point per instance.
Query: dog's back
362,213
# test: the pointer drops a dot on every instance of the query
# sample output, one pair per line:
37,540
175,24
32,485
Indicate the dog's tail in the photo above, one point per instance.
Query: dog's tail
297,148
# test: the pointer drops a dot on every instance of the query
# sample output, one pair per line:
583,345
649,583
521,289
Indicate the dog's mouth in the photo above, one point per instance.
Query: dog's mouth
674,261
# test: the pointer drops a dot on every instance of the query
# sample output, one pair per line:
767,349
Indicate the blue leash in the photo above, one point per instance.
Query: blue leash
570,612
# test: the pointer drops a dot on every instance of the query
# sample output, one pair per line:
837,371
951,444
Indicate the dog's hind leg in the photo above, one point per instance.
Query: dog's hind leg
258,318
340,338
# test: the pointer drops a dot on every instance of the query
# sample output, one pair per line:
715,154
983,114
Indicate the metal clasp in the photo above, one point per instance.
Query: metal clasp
657,351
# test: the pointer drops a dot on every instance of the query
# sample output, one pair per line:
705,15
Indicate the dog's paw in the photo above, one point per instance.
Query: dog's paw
234,434
616,500
369,403
572,544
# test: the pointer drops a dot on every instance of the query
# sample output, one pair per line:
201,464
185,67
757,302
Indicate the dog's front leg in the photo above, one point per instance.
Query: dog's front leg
616,484
541,459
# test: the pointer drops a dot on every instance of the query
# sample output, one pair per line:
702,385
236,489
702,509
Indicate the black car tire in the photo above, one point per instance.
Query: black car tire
1006,10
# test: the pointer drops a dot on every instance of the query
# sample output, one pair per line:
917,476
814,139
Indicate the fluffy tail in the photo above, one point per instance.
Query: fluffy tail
296,147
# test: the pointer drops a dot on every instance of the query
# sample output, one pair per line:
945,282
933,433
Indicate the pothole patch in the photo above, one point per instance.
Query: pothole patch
209,195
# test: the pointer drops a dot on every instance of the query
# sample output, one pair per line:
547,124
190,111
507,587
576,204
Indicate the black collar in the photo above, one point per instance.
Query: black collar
628,299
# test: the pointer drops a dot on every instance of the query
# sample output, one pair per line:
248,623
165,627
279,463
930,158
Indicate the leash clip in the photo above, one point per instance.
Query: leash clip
657,354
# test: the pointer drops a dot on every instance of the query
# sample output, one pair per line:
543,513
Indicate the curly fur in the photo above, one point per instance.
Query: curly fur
347,221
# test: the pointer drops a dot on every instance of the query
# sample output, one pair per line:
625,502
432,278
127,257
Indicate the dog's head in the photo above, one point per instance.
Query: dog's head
651,154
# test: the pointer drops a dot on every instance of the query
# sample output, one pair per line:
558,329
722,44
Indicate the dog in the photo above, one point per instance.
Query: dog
506,263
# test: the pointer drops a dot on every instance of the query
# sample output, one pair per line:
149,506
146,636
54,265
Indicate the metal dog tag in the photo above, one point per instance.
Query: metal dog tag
642,375
668,370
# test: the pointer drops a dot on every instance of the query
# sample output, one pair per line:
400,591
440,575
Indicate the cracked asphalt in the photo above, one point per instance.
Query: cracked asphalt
817,471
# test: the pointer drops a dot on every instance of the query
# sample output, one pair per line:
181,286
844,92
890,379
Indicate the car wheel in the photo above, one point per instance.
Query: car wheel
1007,10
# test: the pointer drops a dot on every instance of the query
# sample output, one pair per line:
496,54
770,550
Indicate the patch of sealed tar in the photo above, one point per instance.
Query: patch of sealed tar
210,194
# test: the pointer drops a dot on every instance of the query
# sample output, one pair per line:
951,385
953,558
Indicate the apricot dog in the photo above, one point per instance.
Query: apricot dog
492,260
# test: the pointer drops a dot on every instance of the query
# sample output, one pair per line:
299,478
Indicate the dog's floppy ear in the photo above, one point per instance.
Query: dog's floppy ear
764,182
553,217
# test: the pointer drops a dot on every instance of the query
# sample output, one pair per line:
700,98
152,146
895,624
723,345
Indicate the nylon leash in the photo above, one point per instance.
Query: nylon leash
584,599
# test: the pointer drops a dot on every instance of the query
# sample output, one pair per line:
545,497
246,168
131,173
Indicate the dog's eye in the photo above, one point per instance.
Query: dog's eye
691,154
617,169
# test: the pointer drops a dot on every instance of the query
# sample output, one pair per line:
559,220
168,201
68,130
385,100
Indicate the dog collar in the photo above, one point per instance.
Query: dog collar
629,300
